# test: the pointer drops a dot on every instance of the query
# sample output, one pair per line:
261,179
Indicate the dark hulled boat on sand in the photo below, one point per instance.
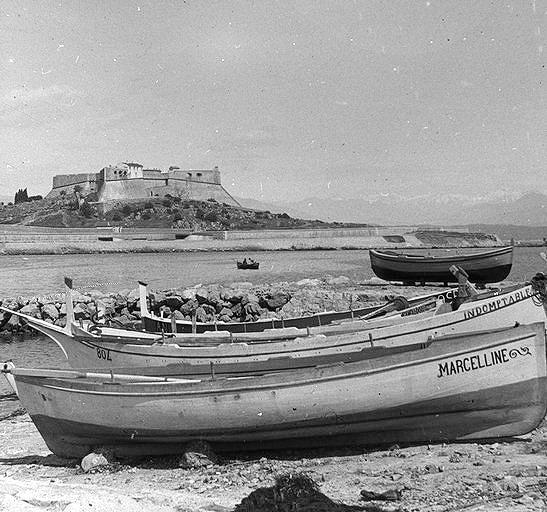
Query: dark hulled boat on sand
484,267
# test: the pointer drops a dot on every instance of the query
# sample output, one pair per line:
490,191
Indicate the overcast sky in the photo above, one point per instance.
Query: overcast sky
290,99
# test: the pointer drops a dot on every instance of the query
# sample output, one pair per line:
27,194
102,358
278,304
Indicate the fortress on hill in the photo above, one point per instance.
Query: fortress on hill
128,181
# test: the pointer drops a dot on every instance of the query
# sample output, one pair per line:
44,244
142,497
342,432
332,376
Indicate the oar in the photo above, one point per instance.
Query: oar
9,368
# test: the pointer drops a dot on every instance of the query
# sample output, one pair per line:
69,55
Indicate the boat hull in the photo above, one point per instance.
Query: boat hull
515,307
485,385
361,341
488,267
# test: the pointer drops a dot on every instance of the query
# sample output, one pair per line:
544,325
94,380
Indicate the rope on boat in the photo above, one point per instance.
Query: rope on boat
539,285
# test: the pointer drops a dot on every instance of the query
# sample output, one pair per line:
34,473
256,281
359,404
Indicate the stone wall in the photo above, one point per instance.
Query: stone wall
67,182
115,191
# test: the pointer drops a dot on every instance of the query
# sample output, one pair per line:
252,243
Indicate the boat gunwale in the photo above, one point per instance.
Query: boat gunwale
409,258
375,339
335,371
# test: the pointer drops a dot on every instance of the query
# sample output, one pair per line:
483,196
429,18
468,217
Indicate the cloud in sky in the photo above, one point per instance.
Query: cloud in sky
285,97
24,103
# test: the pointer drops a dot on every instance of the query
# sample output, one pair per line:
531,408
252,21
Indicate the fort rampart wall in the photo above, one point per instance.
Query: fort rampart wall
138,189
67,182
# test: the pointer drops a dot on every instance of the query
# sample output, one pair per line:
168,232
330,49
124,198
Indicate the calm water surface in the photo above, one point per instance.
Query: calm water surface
38,275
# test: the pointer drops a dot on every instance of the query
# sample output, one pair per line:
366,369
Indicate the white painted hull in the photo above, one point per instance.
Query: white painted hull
484,385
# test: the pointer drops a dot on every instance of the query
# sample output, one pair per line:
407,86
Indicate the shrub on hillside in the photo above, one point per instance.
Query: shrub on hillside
127,210
211,216
86,210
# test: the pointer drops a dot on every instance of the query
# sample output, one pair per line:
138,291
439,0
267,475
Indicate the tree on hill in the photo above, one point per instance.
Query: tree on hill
21,196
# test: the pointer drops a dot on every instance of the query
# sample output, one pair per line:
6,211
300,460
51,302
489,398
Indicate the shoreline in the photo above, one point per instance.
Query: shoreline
486,477
99,248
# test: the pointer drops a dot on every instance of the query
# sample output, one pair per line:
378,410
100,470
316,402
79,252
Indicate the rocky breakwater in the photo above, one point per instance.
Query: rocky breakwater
238,302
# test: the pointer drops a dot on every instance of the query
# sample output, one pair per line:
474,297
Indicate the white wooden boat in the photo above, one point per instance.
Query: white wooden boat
307,348
481,385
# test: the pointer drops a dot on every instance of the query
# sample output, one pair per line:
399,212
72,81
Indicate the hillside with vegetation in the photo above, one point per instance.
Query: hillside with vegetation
73,210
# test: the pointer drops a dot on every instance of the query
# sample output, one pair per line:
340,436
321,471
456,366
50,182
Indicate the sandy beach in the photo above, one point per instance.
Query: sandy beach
508,475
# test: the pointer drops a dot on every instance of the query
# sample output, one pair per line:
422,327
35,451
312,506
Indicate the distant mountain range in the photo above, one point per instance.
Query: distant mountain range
448,210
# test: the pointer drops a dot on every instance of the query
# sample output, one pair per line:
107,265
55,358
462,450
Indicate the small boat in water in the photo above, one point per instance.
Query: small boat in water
483,385
484,267
248,264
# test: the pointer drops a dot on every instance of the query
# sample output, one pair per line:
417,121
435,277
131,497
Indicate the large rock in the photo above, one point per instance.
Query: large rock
233,295
198,454
188,308
188,294
31,309
173,302
237,310
133,295
125,312
202,295
226,312
106,306
248,297
213,297
275,301
49,311
93,461
13,323
80,312
177,314
201,315
252,310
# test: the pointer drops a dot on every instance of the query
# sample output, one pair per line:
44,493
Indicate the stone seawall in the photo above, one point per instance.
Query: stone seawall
59,241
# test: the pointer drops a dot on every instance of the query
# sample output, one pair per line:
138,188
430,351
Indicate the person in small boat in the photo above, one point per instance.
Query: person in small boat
244,261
